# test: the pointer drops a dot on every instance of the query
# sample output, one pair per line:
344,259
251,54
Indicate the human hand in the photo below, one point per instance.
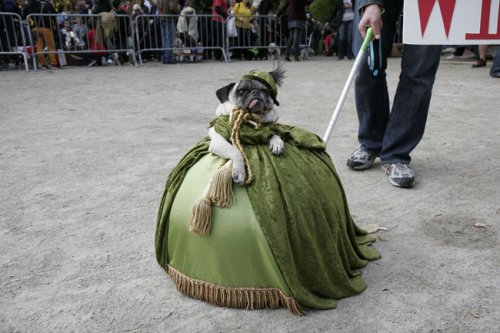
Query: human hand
371,18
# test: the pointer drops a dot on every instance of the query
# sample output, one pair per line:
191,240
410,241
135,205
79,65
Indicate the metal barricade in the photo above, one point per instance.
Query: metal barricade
12,38
256,36
90,36
178,37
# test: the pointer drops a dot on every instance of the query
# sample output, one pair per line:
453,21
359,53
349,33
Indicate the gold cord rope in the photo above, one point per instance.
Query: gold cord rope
239,117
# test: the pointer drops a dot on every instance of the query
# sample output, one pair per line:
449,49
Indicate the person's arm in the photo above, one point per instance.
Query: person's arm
371,11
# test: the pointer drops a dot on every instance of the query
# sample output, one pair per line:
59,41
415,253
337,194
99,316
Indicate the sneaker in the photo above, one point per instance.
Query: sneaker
400,174
360,159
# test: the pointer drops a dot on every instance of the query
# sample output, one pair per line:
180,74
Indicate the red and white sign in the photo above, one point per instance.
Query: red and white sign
452,22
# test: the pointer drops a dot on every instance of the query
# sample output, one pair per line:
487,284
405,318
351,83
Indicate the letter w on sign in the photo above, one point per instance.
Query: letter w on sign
452,22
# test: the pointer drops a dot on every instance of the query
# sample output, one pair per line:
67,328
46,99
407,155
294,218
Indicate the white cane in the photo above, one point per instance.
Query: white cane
354,70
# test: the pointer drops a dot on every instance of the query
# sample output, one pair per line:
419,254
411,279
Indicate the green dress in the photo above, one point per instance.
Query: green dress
287,240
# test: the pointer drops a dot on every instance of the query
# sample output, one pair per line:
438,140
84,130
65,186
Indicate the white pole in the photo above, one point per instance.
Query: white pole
359,58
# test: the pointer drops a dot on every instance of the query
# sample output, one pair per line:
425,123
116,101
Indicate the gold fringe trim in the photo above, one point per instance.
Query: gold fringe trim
221,193
242,298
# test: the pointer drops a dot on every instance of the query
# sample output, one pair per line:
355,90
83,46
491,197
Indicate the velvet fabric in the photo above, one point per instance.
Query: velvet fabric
300,206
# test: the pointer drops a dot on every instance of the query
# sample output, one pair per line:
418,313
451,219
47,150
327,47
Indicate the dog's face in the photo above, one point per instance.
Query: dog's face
251,95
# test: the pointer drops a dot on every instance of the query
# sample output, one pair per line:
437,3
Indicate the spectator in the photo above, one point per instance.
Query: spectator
168,27
231,30
264,9
296,25
391,134
122,32
146,6
94,46
243,12
101,6
330,43
219,15
8,22
82,7
341,21
80,29
42,28
63,9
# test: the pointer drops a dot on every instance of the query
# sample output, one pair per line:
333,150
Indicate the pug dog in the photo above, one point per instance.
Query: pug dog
254,93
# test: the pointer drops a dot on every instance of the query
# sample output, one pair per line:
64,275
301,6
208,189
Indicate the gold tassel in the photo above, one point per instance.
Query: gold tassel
221,193
200,219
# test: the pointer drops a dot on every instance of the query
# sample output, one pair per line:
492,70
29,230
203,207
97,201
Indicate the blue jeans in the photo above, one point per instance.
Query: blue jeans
296,31
394,133
495,68
168,27
345,39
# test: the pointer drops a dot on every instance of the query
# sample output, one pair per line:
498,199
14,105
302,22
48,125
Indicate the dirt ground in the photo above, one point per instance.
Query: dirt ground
85,153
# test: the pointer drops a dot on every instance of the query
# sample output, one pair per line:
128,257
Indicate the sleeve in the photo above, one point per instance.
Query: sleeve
363,3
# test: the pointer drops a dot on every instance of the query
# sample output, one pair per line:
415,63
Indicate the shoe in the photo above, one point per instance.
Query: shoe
361,159
297,58
495,75
287,58
479,63
449,50
400,174
169,62
350,57
340,58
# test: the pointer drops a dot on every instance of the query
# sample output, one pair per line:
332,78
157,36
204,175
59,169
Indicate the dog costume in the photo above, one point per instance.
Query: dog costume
284,239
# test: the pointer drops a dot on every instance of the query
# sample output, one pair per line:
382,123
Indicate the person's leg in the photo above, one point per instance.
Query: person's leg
298,37
348,41
481,60
164,39
49,36
342,34
171,38
371,94
289,42
411,103
217,33
495,68
40,45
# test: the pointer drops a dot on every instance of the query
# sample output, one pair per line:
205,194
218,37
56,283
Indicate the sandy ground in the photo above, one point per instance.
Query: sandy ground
85,152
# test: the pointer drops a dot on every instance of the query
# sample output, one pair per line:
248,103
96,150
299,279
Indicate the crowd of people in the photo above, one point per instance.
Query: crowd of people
73,25
193,30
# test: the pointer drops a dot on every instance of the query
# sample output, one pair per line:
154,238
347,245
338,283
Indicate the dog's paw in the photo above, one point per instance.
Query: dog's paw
276,145
238,173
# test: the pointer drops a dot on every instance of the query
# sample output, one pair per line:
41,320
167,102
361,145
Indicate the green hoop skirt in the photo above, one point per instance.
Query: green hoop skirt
287,240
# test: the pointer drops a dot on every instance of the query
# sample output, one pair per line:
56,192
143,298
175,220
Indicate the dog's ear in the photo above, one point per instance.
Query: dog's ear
278,75
223,93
